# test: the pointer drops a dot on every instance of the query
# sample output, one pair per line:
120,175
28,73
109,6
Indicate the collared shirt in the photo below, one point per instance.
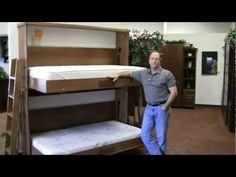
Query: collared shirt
156,85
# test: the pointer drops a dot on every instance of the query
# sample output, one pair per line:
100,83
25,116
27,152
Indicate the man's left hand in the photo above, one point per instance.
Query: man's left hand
164,107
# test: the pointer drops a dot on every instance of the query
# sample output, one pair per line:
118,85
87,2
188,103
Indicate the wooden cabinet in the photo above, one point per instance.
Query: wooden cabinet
228,93
189,98
181,61
3,94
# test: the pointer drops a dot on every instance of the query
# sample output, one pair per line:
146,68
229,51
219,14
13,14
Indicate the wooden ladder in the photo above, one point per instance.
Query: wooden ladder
14,106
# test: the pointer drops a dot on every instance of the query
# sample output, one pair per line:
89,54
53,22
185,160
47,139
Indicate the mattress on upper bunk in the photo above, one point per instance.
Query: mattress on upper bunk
77,71
85,137
62,79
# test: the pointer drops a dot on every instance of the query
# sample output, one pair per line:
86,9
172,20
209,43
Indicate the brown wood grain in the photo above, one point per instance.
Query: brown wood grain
55,56
42,120
62,86
173,60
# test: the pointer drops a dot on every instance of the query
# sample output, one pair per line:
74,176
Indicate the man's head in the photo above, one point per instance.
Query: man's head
154,60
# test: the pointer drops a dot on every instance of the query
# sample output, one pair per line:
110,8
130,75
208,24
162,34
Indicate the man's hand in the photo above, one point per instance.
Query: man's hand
173,94
164,108
115,77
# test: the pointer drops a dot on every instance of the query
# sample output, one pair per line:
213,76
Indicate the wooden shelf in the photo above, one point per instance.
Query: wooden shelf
186,57
190,68
86,27
189,90
193,78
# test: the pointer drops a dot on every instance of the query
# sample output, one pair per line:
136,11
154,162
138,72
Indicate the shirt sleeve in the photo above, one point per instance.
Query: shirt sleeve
170,80
137,75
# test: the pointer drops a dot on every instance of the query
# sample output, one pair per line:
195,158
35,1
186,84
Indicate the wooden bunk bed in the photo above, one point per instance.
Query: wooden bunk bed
49,121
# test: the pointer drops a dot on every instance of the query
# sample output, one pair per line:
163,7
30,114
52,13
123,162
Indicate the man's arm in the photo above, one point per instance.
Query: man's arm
116,76
173,94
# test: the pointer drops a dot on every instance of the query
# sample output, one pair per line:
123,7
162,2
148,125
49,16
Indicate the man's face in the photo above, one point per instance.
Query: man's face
154,60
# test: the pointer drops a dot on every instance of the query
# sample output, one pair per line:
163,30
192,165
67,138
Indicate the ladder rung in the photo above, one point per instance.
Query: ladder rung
11,96
13,78
8,150
10,114
9,132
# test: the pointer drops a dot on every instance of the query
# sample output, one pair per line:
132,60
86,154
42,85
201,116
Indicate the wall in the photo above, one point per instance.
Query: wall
3,29
198,27
233,25
13,40
208,88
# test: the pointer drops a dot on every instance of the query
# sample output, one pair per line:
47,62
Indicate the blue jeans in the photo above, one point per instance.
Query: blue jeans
155,117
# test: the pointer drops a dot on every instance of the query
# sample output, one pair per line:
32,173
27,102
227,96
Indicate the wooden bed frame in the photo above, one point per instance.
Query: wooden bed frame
57,118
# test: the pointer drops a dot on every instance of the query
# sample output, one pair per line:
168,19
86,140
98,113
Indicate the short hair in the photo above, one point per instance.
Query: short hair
154,51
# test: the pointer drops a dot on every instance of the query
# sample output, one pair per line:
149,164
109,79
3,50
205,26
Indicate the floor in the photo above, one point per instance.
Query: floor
199,131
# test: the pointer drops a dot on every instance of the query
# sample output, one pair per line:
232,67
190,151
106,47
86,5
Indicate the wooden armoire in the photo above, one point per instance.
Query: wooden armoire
181,61
228,92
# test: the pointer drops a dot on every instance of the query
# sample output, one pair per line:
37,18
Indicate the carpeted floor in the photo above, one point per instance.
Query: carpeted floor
199,131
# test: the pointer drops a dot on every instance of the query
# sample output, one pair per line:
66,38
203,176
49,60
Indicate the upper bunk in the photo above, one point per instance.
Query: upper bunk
55,79
73,58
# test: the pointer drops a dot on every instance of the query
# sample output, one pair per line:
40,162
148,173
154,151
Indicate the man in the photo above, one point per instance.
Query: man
160,91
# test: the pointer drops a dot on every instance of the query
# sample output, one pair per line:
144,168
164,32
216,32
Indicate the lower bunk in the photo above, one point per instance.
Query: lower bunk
108,137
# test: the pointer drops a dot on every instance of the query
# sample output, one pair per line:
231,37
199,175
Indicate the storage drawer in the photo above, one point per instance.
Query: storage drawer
189,101
189,92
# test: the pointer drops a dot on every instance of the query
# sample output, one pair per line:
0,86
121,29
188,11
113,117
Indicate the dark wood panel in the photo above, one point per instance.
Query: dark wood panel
189,92
228,93
3,94
173,61
122,46
188,101
42,120
50,56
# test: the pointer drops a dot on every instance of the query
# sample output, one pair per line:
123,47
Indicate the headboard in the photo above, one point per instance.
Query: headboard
49,56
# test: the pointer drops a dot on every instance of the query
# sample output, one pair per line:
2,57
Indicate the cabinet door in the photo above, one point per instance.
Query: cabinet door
225,84
173,60
231,90
3,94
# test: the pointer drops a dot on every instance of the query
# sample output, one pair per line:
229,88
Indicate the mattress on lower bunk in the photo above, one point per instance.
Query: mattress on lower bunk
77,71
85,137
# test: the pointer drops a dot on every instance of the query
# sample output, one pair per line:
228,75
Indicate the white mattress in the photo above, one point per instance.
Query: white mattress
85,137
77,71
